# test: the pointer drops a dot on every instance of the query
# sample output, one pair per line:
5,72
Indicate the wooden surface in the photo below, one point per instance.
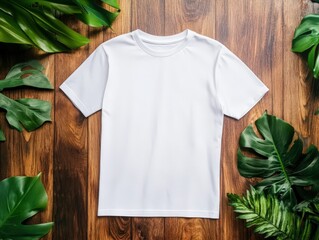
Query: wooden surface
66,150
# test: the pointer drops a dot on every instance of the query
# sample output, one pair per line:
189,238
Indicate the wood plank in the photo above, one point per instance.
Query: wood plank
194,15
100,227
247,29
71,152
120,228
29,153
297,105
39,153
191,228
148,16
8,165
148,228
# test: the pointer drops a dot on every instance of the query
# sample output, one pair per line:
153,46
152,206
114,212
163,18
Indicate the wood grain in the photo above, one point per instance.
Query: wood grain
29,153
67,150
298,110
243,36
70,153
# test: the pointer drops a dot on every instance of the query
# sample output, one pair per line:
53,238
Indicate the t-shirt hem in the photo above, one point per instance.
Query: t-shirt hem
159,213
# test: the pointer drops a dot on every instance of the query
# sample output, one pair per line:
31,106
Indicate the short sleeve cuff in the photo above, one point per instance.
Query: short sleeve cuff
254,100
75,100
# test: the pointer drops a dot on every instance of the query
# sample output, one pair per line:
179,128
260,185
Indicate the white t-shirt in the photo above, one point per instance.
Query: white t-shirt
163,99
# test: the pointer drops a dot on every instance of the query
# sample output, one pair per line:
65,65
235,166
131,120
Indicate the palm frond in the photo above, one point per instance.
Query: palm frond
271,217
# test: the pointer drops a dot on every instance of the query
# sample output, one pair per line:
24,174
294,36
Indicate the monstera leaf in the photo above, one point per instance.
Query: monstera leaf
35,22
26,74
271,217
25,112
20,199
306,40
276,155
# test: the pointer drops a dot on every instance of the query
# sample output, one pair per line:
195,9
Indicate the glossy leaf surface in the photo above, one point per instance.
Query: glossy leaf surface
306,40
20,199
276,156
26,112
26,74
34,22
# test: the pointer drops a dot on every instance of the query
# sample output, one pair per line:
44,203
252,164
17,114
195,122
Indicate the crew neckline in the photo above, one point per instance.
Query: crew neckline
180,40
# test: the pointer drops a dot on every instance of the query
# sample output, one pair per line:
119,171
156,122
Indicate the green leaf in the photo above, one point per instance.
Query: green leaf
270,216
94,15
277,157
66,6
10,31
33,22
25,112
20,199
31,113
306,40
46,32
26,74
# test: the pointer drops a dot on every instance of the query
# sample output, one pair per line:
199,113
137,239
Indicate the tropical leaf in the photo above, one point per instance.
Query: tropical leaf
306,40
33,22
278,158
20,199
26,74
25,112
94,15
28,112
271,217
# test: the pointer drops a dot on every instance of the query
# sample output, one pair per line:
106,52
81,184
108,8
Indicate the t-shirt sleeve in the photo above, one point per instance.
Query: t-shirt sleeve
238,87
86,85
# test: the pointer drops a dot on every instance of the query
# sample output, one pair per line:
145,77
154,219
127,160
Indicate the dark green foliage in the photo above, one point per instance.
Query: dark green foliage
285,203
34,22
26,112
306,40
279,160
20,199
271,217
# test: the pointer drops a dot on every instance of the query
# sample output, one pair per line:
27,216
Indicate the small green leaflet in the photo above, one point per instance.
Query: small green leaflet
21,198
26,112
306,40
